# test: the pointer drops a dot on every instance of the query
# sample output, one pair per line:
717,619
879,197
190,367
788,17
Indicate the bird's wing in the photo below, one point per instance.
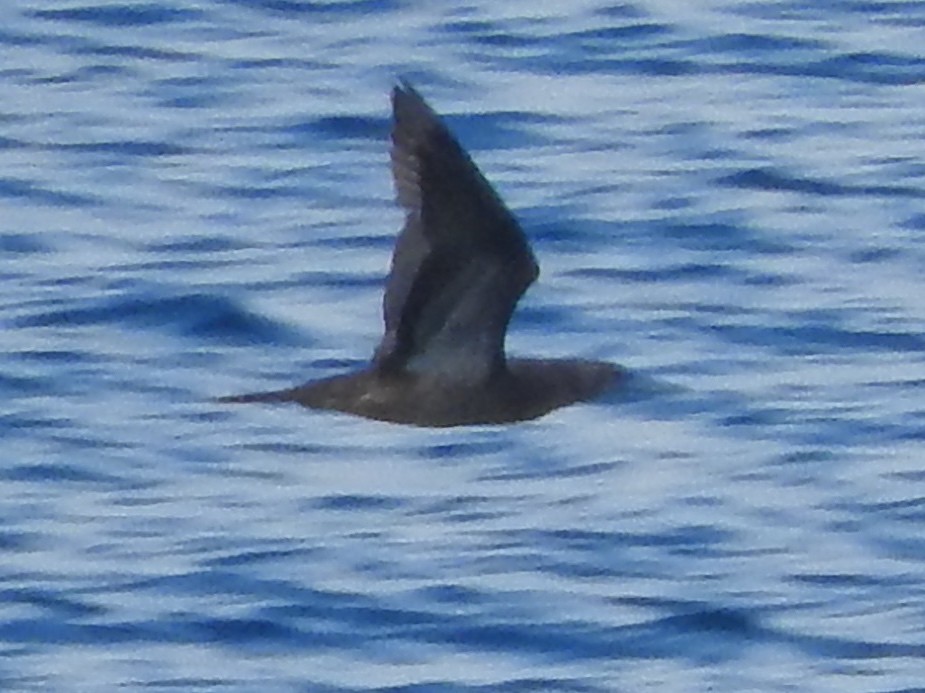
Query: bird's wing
461,261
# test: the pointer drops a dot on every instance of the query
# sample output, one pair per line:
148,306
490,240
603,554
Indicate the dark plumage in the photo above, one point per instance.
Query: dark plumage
460,265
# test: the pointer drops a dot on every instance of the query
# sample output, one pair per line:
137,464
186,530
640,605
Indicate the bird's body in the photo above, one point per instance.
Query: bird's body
460,265
525,389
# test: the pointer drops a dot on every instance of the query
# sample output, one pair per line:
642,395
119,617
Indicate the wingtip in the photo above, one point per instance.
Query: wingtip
404,84
403,88
406,98
411,114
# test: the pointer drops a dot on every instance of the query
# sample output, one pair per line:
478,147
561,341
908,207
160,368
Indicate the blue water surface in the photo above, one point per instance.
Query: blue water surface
727,198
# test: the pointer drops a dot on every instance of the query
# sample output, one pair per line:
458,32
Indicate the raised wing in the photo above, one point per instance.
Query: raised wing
461,261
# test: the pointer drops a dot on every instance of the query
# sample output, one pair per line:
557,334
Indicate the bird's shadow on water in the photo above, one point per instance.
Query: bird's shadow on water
652,397
639,389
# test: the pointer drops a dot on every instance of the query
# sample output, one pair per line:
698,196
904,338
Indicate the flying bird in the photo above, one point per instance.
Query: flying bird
461,262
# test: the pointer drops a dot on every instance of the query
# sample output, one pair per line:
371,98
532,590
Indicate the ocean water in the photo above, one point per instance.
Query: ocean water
727,198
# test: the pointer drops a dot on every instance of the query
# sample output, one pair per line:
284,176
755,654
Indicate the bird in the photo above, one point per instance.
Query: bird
460,265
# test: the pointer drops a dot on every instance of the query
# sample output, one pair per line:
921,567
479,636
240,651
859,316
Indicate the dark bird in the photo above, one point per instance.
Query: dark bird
460,265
